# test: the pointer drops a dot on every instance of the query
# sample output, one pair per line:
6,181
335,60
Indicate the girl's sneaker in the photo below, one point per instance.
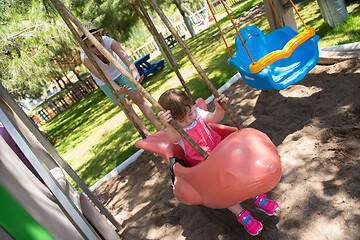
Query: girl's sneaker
252,226
266,205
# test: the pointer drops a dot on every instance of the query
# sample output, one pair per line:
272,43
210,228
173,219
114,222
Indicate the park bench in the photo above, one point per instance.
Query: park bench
170,40
145,68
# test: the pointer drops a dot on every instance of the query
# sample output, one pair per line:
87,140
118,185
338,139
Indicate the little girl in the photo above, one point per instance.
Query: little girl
179,107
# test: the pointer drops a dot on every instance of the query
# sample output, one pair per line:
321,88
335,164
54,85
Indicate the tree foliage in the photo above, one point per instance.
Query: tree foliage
114,16
36,48
119,18
193,4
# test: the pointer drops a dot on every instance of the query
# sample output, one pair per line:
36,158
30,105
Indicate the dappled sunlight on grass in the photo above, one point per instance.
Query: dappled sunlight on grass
80,121
106,153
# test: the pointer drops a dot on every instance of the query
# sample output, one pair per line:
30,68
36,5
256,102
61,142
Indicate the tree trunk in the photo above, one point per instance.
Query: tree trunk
186,18
178,5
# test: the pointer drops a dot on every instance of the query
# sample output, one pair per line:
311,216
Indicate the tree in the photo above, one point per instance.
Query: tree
37,46
114,16
117,17
34,48
185,17
194,4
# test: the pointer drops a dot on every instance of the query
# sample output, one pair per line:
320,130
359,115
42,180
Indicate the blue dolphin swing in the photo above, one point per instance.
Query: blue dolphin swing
276,60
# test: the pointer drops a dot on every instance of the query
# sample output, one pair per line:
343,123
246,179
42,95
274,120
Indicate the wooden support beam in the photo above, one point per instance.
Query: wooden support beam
193,61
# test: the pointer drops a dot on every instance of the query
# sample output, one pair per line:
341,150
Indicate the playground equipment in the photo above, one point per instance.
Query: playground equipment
215,183
248,145
36,187
145,68
243,165
276,60
282,57
67,221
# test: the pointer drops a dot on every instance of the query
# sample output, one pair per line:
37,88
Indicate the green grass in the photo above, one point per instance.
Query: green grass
347,32
92,135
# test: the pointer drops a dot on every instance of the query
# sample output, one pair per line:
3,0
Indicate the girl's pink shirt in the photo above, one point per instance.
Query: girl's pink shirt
204,136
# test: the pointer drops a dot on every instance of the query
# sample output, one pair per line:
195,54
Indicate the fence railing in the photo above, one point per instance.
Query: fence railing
62,101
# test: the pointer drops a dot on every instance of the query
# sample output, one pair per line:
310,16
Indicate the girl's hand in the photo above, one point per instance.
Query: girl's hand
221,98
165,117
123,90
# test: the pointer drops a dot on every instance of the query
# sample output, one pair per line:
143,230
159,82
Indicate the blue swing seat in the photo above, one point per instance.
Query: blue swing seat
281,73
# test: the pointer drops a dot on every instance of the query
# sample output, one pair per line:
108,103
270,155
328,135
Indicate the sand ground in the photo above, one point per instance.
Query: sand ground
315,125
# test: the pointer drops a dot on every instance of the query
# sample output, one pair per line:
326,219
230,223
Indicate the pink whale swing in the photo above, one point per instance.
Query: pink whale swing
243,165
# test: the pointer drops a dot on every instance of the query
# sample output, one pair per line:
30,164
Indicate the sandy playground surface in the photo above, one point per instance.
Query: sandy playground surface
315,125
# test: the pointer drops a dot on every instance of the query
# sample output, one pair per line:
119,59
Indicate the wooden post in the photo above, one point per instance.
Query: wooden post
163,46
286,15
193,61
68,15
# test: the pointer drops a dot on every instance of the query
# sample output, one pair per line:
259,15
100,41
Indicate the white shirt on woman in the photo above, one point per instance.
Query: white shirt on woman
109,70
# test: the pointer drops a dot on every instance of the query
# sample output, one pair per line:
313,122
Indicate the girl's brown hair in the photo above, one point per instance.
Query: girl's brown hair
177,102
